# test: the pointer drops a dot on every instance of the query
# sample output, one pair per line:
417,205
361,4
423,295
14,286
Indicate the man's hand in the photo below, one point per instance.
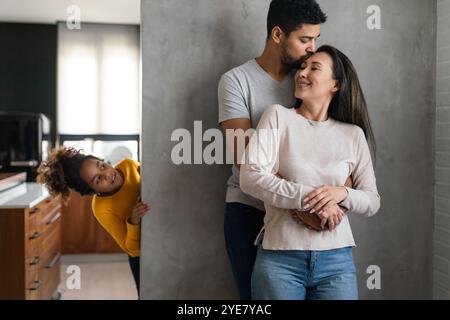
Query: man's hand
140,209
329,220
310,220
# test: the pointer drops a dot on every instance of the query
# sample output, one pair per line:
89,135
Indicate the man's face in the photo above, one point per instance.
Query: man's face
299,45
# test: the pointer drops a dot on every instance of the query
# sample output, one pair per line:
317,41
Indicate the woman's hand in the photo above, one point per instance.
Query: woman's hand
323,198
140,209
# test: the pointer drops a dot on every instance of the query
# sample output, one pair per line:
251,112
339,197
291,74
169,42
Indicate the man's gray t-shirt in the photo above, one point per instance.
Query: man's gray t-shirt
245,92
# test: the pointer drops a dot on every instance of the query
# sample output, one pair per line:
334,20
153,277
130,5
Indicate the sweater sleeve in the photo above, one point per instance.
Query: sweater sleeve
126,235
363,198
258,174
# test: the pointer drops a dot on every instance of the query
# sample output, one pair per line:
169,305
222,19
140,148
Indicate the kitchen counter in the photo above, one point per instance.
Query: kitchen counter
25,195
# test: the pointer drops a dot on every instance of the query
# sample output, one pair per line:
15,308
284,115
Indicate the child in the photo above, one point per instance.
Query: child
116,203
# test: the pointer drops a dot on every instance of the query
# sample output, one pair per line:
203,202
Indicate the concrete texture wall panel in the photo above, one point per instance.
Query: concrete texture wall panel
441,279
187,45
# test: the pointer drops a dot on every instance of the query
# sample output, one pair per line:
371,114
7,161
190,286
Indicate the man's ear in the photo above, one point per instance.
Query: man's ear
277,35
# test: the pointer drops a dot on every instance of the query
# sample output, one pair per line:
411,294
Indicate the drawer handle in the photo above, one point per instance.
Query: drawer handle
54,260
55,217
35,235
36,260
37,285
34,210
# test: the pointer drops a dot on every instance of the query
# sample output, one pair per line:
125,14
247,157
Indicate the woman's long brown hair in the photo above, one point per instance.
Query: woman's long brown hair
348,104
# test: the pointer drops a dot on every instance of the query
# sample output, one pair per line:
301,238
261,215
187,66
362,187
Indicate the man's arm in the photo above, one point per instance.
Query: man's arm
234,124
313,221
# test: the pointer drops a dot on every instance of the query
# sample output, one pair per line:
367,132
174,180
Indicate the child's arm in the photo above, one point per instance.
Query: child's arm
126,235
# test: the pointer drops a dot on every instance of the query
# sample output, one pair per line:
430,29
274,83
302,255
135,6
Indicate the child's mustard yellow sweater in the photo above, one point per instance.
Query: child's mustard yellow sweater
113,212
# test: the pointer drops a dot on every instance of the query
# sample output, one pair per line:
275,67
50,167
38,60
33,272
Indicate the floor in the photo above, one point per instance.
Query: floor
103,277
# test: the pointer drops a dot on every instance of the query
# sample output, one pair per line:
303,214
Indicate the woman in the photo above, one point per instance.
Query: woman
116,203
299,159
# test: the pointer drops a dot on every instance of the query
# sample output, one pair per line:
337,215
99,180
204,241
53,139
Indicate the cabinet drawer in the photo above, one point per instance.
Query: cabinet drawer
39,214
49,205
43,207
32,219
51,222
33,290
39,225
33,259
31,276
33,240
49,274
50,246
49,270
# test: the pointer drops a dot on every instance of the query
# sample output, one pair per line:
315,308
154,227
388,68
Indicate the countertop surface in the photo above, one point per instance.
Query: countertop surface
25,195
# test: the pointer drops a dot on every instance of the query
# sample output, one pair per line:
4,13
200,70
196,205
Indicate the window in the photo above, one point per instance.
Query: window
98,87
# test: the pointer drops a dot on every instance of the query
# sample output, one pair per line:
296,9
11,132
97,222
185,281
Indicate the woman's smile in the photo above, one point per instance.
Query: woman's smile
303,83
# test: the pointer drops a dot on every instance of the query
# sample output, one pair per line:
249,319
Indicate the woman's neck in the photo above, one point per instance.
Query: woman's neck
315,111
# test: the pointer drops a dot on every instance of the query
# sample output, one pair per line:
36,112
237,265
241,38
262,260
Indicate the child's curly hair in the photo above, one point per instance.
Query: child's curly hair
61,172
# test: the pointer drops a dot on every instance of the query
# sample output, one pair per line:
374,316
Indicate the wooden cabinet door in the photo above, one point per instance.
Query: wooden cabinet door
81,232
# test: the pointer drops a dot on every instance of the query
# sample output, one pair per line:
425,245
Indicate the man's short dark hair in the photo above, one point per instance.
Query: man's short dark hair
290,15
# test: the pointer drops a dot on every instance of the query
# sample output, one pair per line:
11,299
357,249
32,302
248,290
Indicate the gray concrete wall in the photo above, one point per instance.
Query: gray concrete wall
396,66
187,45
442,188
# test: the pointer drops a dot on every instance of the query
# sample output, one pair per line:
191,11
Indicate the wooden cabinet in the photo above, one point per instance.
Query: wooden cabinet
81,231
30,251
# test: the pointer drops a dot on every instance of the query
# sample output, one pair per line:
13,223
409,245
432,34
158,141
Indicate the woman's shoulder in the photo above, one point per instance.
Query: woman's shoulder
275,112
352,131
278,109
350,127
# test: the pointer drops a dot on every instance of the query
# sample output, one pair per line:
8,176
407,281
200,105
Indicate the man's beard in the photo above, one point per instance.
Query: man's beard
292,63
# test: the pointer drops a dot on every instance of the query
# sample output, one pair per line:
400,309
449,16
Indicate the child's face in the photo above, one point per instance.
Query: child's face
101,176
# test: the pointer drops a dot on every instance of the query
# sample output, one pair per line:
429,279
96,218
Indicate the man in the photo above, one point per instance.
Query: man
244,92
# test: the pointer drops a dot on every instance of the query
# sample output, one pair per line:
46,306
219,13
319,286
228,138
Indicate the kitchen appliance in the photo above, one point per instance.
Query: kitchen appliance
24,142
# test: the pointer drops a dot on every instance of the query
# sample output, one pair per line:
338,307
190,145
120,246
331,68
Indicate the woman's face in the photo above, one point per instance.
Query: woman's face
314,80
101,176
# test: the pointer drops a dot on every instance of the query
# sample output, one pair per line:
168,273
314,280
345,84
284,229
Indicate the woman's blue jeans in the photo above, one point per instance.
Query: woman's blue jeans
304,275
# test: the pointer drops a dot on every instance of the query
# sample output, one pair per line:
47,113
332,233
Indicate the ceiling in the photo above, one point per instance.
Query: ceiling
50,11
